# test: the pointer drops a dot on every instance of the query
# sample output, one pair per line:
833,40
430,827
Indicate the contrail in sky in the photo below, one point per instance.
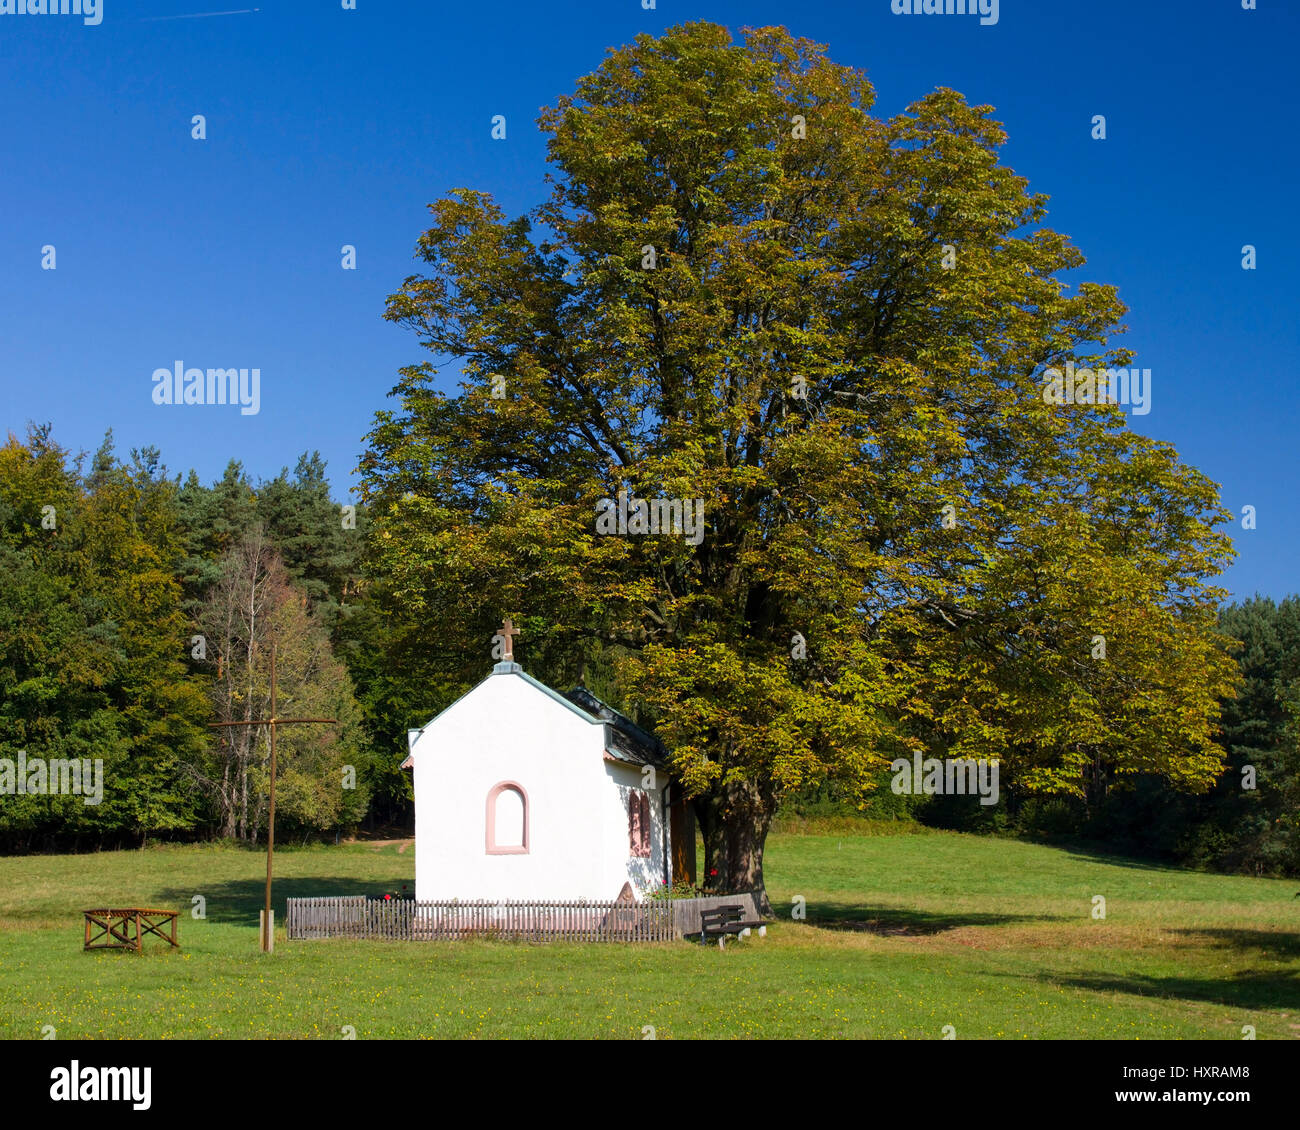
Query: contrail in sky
199,15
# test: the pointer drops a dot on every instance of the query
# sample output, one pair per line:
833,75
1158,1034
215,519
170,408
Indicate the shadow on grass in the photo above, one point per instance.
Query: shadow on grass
1265,943
899,922
1248,989
1095,853
238,901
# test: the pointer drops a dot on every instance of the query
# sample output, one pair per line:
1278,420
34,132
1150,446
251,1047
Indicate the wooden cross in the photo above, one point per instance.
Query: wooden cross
273,722
508,631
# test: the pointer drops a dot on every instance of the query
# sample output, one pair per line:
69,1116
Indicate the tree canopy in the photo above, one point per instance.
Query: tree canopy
114,648
832,329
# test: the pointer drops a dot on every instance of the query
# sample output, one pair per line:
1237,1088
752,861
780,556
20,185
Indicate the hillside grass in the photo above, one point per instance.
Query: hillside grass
904,935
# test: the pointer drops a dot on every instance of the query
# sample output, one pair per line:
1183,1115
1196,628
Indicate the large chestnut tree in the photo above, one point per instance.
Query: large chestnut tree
833,329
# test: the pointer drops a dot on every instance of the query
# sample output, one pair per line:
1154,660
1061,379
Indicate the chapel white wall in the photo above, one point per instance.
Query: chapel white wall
577,801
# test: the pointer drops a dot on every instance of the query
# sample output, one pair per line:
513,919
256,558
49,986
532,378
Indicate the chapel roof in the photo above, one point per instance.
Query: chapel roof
627,741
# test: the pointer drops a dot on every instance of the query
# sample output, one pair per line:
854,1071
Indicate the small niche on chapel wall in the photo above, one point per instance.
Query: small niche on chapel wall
507,819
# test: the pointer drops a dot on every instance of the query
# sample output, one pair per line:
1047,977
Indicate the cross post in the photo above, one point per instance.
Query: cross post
273,722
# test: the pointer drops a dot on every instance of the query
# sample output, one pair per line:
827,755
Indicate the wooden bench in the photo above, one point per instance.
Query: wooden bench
125,927
723,920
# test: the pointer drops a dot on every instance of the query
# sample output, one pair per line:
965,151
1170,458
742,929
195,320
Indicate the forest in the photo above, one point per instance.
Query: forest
139,607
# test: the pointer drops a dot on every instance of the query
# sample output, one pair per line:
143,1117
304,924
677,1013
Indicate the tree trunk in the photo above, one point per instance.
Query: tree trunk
734,822
226,797
244,761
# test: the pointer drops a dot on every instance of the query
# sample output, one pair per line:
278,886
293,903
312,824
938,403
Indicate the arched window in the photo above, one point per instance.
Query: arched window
638,823
507,819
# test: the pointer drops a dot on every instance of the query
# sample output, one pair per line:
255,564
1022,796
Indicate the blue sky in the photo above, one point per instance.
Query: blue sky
328,127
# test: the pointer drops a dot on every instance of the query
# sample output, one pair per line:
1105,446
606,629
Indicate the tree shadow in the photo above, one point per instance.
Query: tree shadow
1092,853
1265,943
901,922
1261,989
238,901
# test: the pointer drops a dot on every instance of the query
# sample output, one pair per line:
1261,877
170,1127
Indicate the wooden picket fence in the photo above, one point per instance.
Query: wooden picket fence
355,916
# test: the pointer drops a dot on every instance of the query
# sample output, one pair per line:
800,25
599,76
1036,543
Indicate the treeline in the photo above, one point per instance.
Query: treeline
1248,822
138,608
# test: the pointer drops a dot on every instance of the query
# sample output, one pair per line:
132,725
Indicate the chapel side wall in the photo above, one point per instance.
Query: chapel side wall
619,866
555,755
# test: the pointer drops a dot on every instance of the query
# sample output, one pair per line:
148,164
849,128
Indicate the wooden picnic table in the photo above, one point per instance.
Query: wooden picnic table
127,926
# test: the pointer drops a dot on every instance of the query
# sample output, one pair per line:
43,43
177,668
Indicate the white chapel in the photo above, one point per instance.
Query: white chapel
525,793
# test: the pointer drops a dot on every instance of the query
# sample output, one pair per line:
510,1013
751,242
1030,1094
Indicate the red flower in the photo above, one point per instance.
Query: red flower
388,896
714,871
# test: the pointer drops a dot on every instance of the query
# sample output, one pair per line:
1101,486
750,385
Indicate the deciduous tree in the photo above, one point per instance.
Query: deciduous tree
831,328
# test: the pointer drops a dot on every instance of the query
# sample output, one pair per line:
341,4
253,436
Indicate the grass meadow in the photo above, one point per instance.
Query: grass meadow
904,935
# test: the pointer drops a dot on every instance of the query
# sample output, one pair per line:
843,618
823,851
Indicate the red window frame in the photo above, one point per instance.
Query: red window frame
638,823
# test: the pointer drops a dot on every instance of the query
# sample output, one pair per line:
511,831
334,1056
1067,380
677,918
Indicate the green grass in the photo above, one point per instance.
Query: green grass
904,934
